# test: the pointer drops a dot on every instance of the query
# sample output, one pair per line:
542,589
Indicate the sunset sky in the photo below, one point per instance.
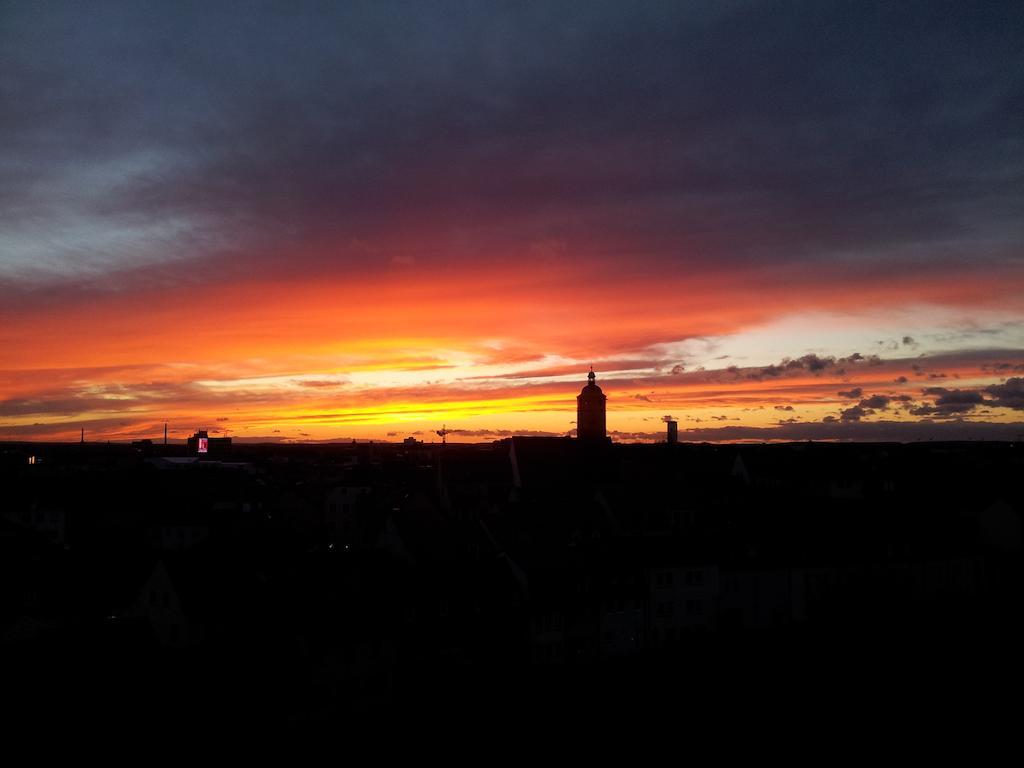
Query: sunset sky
320,221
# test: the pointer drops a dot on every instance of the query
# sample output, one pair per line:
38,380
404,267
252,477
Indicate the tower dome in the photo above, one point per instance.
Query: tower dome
590,410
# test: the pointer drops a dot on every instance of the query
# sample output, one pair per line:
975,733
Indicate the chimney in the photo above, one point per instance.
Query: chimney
165,433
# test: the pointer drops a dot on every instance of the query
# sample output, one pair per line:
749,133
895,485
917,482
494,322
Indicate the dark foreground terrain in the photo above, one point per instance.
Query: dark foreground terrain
303,589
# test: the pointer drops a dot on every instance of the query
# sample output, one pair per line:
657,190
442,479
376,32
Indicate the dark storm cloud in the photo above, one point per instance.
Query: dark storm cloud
875,402
949,402
151,132
1009,394
954,396
856,413
811,363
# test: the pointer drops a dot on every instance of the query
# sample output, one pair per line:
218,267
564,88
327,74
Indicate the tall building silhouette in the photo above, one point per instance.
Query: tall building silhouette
590,408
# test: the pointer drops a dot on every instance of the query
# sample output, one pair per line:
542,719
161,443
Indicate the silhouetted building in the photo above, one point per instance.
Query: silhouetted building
201,443
590,411
673,431
360,578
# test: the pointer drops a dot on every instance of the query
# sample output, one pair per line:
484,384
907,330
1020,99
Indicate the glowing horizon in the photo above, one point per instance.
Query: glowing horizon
416,357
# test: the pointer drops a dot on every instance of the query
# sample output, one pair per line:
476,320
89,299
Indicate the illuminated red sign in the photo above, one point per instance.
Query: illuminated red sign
203,444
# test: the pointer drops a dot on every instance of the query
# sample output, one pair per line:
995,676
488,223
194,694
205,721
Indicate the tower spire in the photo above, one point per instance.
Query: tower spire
590,410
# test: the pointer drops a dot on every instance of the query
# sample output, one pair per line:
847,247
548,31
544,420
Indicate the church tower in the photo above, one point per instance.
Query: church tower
590,406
